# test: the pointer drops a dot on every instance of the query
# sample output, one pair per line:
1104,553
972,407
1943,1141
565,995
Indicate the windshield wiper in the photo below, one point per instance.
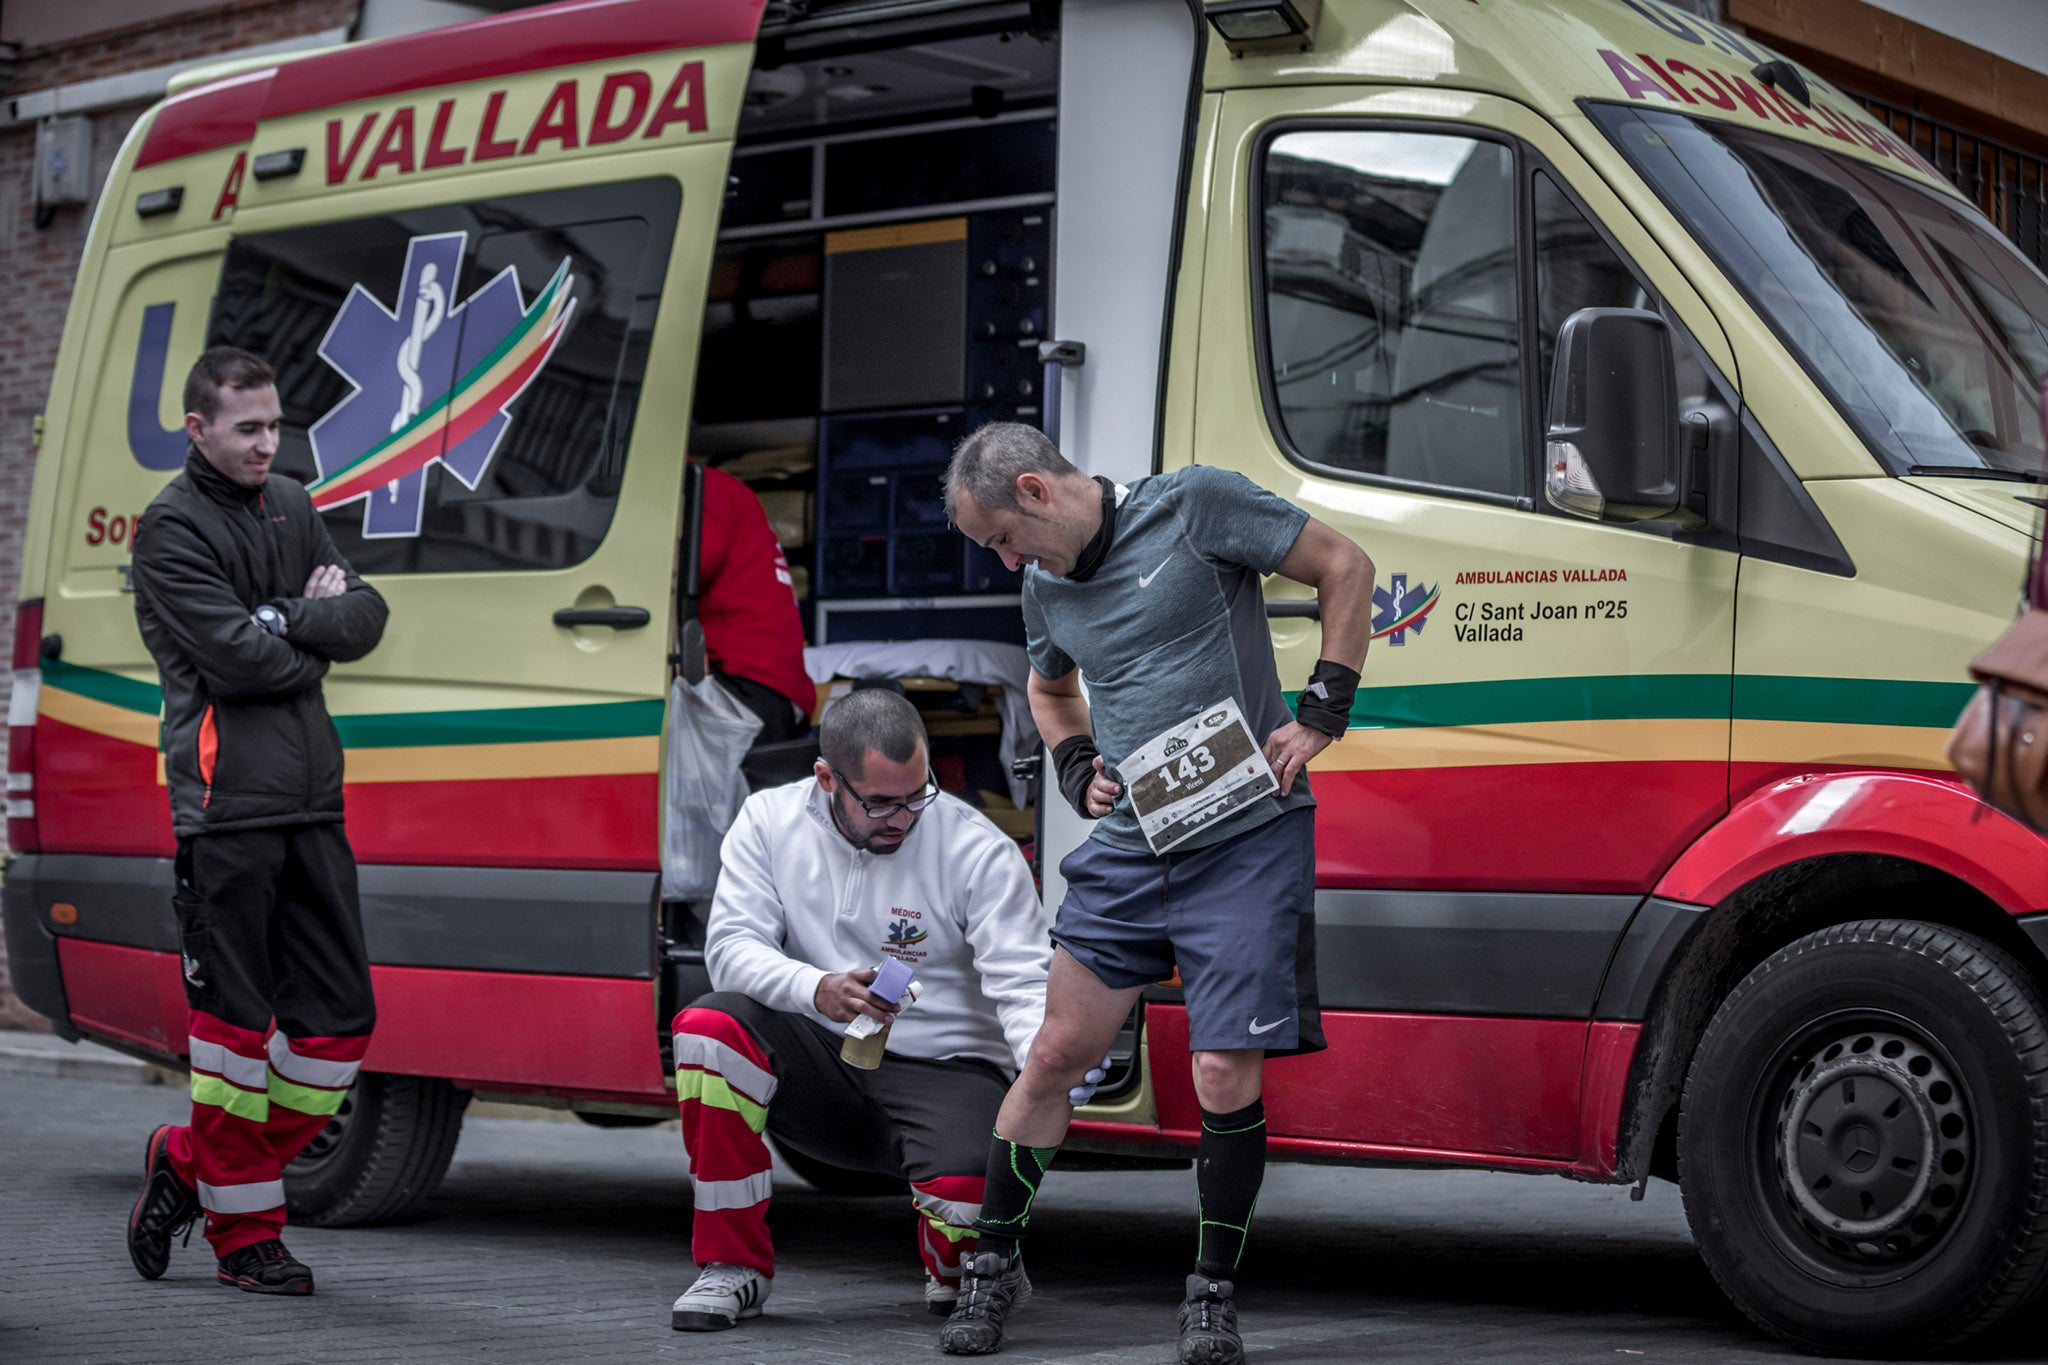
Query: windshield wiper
1977,471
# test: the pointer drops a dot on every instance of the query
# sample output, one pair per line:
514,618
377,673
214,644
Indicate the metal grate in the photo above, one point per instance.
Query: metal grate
2010,185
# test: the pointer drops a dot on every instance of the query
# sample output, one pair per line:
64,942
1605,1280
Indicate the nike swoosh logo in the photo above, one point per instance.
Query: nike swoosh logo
1258,1028
1145,579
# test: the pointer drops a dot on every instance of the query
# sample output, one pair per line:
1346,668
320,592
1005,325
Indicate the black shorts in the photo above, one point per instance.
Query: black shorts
1237,918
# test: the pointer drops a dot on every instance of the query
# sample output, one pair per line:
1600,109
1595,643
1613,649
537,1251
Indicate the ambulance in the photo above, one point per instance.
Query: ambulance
1691,419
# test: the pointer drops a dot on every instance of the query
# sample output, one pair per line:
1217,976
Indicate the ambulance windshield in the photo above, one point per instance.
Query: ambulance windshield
1926,328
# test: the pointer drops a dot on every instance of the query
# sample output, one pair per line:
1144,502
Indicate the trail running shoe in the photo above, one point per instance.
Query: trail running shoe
940,1295
166,1207
720,1297
265,1268
1208,1324
991,1288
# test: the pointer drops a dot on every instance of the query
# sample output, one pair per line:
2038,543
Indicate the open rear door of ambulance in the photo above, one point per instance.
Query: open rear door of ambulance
1129,152
478,257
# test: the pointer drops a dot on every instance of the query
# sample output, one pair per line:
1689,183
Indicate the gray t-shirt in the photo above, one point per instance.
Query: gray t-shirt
1172,623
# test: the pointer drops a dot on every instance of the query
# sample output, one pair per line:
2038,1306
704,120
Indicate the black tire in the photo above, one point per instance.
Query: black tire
381,1157
826,1178
1863,1140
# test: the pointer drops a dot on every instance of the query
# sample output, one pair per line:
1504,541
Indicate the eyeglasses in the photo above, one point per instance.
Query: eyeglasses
885,809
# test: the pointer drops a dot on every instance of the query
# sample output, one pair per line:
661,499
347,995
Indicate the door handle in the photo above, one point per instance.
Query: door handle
1294,607
1055,356
619,618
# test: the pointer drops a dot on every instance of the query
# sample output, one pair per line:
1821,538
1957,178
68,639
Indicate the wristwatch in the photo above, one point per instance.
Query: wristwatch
271,619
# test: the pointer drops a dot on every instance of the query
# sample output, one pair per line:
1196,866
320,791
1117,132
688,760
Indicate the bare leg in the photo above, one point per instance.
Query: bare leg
1081,1019
1226,1081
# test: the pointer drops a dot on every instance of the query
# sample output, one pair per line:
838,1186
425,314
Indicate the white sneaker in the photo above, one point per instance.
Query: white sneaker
721,1296
939,1297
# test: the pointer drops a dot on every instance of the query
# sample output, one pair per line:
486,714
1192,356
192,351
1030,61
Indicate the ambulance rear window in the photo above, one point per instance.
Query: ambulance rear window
459,382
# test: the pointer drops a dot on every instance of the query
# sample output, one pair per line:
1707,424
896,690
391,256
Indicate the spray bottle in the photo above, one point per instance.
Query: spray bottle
864,1037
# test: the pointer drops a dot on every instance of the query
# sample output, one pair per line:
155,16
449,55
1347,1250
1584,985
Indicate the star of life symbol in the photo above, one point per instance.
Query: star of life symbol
1398,609
432,382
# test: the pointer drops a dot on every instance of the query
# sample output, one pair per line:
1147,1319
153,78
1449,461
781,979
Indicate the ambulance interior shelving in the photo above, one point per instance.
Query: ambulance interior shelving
879,289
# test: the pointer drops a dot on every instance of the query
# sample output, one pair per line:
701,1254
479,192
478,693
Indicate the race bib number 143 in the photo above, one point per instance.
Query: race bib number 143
1189,777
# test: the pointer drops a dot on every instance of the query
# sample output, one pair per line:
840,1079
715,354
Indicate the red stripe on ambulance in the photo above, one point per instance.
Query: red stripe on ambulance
226,114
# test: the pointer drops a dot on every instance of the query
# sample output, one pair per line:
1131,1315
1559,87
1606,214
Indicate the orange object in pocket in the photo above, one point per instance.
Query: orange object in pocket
209,750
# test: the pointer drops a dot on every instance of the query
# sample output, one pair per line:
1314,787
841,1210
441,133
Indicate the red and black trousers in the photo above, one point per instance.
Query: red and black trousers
744,1070
279,985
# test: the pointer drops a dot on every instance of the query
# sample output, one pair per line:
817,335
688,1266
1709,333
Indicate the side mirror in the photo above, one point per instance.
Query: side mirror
1611,447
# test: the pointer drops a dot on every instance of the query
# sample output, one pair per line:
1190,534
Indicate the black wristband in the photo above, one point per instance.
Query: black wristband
1325,703
1073,758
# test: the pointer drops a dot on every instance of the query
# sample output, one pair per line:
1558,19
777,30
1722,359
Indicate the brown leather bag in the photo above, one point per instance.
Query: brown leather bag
2000,743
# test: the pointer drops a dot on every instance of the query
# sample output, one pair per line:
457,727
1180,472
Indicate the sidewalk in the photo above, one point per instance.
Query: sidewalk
45,1054
557,1243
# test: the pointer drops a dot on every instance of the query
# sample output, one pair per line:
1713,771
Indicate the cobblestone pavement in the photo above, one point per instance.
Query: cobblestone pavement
556,1242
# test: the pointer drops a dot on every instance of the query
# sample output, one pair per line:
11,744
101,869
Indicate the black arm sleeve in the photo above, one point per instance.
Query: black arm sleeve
1325,703
1074,760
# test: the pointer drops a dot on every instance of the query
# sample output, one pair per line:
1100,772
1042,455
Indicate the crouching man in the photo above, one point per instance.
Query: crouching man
821,879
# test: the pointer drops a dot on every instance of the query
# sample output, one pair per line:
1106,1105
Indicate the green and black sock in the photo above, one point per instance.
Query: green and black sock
1230,1165
1014,1173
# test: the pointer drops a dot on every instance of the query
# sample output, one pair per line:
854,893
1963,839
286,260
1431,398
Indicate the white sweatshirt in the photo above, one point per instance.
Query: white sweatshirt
796,902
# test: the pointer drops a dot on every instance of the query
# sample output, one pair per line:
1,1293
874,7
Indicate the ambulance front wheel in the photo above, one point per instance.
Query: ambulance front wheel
1863,1140
381,1157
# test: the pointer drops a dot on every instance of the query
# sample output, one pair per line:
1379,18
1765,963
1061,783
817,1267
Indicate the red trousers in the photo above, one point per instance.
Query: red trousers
743,1070
256,1103
279,986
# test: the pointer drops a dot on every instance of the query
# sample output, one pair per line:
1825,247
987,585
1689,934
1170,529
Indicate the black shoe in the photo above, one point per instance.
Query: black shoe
990,1288
265,1268
1208,1324
166,1207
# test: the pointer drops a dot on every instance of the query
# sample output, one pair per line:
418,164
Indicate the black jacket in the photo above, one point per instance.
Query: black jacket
247,740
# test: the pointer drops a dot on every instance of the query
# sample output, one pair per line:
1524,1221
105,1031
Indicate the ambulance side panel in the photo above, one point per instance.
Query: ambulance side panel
1576,741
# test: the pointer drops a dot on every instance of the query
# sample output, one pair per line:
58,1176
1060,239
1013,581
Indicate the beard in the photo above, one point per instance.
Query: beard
867,843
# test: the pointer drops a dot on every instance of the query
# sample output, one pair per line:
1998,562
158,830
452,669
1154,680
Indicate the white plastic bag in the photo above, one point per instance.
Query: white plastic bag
708,734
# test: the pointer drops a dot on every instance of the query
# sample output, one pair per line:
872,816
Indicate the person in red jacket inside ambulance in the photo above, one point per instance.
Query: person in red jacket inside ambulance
753,636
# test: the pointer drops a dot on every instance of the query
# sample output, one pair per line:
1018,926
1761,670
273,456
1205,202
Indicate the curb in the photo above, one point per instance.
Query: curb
32,1054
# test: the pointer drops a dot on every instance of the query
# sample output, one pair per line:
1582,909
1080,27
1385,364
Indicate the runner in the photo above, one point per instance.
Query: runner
1207,862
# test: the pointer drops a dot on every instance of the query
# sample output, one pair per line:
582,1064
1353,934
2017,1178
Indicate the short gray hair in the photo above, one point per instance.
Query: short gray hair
987,463
869,719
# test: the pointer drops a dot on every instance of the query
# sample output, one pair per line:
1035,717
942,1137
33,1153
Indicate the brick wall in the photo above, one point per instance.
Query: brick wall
39,265
204,31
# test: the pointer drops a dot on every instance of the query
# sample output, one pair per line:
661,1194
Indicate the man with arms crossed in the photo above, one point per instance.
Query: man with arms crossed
1152,592
244,602
820,880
